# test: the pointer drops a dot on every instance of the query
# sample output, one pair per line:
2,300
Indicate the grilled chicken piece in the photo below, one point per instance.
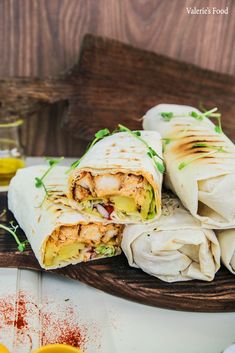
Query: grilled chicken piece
90,233
111,232
81,193
86,181
68,233
108,184
131,184
140,196
84,186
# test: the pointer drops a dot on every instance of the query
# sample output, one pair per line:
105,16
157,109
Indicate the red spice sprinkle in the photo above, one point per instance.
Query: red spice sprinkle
70,336
7,311
20,321
63,329
58,326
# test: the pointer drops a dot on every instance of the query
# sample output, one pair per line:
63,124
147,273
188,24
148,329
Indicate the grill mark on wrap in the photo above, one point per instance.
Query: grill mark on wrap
184,147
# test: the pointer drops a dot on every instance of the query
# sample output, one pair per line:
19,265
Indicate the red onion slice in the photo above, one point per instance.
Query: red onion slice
102,211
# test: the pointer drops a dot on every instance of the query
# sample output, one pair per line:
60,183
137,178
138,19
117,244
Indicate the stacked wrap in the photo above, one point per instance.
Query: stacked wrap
174,248
117,183
200,163
117,180
57,234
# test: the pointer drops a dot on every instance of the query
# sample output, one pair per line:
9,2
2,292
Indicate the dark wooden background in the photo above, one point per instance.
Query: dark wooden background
43,37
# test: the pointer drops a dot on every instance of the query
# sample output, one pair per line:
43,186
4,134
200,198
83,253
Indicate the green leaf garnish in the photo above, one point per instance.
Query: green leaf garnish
121,128
212,147
167,116
53,162
167,140
98,136
151,152
184,164
160,167
39,183
196,116
102,133
200,144
12,230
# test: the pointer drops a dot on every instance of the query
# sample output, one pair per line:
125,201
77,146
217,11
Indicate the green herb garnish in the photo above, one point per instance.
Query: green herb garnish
212,147
108,250
151,152
167,116
166,140
210,114
98,136
12,230
184,164
39,182
137,134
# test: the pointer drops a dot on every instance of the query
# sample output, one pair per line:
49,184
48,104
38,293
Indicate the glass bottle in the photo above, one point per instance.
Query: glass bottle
11,151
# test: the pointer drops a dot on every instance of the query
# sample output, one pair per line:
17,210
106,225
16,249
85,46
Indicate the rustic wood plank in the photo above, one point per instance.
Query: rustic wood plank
115,276
40,38
119,83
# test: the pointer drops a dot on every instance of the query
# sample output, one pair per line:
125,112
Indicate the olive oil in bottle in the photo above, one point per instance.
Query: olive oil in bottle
8,168
11,152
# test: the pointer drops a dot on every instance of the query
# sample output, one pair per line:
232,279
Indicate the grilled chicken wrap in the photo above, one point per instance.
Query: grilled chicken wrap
117,179
227,245
58,235
174,248
200,163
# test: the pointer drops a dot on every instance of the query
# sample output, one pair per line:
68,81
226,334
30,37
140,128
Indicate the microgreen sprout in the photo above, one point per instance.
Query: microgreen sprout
39,182
212,147
167,116
166,140
212,113
98,136
12,230
184,164
151,152
137,134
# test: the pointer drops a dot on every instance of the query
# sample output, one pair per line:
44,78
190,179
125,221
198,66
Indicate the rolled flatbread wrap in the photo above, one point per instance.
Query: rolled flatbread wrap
174,248
58,235
227,245
117,180
200,163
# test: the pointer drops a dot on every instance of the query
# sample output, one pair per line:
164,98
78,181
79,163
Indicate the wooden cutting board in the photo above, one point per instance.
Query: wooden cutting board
114,276
117,83
113,83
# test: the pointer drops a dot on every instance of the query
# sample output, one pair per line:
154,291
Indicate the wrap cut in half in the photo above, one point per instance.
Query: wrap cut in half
117,180
58,235
227,245
200,162
174,248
